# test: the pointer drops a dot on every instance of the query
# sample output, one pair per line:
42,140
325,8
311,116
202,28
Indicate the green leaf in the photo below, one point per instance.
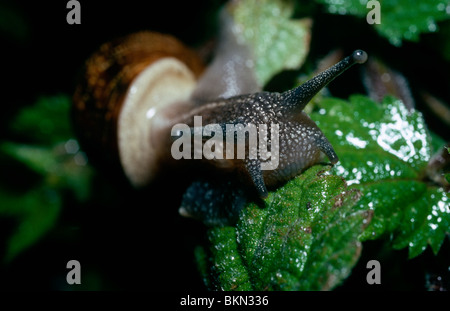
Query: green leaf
228,264
268,28
36,211
427,221
306,238
384,150
400,19
54,159
46,122
53,152
62,166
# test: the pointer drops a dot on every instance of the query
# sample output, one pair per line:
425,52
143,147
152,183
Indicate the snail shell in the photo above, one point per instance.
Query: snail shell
126,82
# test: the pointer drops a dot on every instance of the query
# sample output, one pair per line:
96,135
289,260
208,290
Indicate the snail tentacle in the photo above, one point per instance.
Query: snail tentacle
300,96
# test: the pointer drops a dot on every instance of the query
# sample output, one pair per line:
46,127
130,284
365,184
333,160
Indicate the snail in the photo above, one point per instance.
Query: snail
136,89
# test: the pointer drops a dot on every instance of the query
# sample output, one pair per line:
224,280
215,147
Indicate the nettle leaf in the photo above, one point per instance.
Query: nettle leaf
399,20
306,238
36,213
427,221
62,166
268,28
54,161
46,122
384,150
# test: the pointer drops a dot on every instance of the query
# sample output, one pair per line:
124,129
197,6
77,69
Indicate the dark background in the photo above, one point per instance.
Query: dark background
129,239
126,239
47,55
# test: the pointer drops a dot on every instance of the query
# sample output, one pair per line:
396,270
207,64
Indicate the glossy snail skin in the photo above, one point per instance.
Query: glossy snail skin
137,131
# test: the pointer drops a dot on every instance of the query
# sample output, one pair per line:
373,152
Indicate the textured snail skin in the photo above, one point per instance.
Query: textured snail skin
301,143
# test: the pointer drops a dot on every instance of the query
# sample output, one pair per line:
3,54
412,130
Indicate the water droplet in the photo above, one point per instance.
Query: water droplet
80,159
71,146
432,27
276,11
442,207
342,11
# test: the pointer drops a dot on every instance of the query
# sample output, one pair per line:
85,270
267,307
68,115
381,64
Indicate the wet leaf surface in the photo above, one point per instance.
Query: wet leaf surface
384,150
306,238
268,28
399,20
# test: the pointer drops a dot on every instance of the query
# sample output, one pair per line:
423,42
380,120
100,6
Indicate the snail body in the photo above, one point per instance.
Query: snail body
135,92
